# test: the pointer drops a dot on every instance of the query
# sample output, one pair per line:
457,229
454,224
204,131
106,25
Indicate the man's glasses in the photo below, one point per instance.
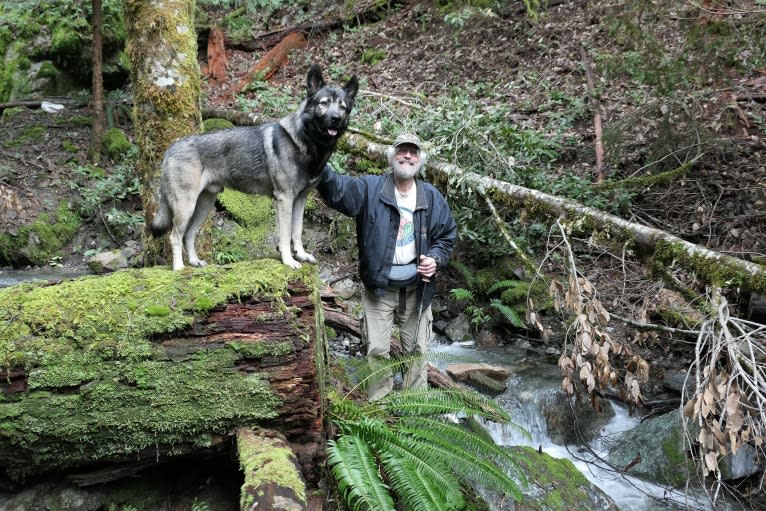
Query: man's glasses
408,150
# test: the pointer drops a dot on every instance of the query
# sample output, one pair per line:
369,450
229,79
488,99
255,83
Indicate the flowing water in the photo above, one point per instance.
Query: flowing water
532,383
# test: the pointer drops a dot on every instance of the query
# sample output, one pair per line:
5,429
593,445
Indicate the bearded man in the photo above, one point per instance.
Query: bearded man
405,233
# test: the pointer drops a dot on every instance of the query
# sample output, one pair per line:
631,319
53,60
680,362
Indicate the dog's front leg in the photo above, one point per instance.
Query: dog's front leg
284,206
299,205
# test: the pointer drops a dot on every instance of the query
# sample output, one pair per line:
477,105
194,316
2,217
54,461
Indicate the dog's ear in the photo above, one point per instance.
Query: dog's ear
351,88
314,81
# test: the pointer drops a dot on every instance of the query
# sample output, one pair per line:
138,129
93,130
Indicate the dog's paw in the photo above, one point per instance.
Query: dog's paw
305,257
197,262
292,263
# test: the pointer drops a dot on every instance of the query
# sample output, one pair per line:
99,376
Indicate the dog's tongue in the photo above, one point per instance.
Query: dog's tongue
332,132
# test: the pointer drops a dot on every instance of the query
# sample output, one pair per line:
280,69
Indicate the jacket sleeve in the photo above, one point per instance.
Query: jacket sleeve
343,193
443,231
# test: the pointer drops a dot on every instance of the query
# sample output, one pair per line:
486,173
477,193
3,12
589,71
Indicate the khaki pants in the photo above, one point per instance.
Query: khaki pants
380,314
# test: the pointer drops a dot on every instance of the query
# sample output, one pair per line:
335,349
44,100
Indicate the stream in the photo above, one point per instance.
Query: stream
534,380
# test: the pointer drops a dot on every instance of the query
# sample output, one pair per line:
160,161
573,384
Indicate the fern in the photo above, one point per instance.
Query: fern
426,458
354,468
503,284
508,313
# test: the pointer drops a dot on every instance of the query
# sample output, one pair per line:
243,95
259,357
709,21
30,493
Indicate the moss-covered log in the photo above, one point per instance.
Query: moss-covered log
142,365
715,268
272,475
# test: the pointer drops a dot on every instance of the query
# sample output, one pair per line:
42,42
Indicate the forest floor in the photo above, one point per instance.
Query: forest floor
536,67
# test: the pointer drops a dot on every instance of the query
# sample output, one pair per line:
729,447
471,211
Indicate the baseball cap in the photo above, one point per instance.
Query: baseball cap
408,138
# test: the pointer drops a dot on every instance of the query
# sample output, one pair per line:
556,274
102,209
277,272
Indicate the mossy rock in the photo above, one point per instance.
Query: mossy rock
37,243
555,484
99,385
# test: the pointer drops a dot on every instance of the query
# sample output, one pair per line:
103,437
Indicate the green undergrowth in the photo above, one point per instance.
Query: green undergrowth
100,384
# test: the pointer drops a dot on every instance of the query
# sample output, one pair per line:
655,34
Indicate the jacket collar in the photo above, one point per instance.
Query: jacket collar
387,193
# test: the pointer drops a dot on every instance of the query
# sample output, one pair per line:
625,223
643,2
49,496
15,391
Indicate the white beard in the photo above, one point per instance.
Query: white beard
405,171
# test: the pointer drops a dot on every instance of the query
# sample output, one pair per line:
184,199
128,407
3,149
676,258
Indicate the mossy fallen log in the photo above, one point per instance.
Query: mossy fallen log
143,365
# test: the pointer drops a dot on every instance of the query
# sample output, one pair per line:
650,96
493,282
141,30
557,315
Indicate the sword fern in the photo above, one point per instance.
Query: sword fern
410,445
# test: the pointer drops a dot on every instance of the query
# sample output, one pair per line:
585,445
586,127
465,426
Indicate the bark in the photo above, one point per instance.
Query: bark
98,83
665,248
162,49
216,56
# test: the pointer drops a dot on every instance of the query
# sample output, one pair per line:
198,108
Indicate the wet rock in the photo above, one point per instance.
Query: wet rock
459,329
464,371
574,422
654,450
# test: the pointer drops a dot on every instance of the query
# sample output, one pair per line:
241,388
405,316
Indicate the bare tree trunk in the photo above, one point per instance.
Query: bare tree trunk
162,48
98,83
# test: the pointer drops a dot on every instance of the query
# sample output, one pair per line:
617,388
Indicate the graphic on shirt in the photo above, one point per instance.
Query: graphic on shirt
406,229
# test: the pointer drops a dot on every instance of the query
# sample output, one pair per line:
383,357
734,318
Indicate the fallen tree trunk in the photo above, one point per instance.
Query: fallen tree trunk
270,62
665,248
105,376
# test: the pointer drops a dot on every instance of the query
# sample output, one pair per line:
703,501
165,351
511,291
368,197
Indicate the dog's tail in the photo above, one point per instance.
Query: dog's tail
162,220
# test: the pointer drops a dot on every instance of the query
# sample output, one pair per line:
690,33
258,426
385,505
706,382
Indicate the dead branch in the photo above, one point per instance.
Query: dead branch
270,62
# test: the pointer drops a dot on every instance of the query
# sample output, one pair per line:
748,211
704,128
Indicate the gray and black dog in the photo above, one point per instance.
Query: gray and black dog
280,159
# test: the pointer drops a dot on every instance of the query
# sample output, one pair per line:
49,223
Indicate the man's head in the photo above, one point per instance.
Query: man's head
406,156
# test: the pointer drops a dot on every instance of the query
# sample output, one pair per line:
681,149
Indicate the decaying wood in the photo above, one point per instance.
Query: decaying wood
597,129
270,62
216,56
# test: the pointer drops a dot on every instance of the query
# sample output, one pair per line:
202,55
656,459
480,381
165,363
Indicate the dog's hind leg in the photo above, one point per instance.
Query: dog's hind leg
284,207
205,203
299,206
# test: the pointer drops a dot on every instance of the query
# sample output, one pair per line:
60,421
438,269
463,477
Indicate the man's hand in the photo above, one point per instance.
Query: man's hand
427,267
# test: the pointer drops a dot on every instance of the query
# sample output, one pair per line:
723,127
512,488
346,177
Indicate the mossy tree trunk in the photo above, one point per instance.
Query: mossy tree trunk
162,49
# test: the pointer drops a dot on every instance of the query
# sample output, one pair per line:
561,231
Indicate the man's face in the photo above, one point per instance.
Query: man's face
406,161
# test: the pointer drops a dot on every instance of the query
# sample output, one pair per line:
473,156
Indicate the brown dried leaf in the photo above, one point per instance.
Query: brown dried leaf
711,461
567,386
689,407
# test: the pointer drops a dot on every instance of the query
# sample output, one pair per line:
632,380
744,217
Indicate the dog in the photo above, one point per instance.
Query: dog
281,159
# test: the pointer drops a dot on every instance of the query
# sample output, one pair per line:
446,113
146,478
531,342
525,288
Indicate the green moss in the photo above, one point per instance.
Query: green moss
558,483
115,143
716,269
38,242
66,41
216,124
69,147
82,121
99,382
373,55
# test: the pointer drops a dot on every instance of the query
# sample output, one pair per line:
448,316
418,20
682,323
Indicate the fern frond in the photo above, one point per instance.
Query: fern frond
355,470
416,490
508,313
478,443
467,273
434,401
503,284
389,445
464,463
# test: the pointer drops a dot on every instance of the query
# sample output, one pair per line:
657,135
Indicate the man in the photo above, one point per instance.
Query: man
405,232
